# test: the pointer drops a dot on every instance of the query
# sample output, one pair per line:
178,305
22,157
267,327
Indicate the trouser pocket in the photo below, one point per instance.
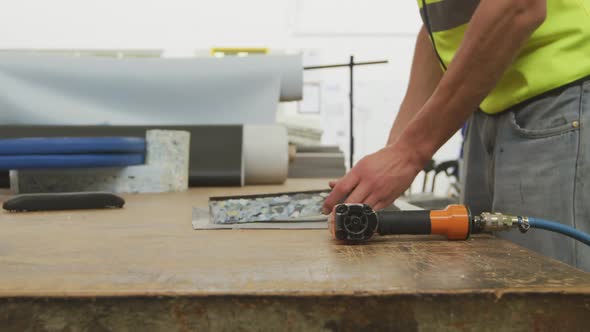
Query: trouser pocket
553,114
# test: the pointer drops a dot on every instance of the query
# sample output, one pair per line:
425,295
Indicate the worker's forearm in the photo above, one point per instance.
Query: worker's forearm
424,77
498,30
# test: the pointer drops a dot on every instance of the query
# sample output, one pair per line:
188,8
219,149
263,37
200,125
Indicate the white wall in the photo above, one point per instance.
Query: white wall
327,31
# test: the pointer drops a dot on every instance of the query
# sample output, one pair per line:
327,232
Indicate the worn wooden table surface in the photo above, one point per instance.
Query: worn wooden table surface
144,267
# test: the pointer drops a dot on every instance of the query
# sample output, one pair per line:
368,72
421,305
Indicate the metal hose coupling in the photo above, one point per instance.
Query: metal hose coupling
498,222
495,222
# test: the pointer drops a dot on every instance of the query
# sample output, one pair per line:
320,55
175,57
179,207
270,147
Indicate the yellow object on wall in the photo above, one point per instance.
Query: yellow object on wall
238,51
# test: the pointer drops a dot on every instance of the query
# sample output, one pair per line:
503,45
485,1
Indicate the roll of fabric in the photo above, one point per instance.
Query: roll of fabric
265,154
66,90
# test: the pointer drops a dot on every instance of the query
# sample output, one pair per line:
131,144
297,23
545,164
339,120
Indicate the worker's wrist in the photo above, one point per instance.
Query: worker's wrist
412,154
424,134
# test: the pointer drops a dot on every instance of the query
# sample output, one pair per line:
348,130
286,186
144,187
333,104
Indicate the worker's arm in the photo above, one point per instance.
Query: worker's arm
425,74
424,77
496,33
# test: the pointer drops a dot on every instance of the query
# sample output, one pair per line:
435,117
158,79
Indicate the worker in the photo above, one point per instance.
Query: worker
518,72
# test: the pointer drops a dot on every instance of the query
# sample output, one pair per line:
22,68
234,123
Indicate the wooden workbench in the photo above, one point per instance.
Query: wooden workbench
144,268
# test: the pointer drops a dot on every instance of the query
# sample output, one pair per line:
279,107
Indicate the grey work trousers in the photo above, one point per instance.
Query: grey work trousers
534,160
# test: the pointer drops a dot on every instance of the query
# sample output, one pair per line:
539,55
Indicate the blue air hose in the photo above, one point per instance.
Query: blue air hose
558,228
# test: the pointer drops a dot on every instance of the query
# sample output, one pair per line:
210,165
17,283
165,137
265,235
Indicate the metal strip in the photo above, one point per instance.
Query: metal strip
449,14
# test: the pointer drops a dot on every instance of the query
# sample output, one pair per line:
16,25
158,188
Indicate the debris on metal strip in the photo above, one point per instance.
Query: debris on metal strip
285,207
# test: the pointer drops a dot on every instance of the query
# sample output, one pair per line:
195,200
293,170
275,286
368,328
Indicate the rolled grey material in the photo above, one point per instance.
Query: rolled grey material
66,90
290,68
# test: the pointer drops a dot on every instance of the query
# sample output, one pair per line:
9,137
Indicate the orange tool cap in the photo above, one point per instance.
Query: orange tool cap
453,222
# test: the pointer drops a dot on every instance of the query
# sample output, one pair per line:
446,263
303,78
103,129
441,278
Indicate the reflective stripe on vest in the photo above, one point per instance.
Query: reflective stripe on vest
557,53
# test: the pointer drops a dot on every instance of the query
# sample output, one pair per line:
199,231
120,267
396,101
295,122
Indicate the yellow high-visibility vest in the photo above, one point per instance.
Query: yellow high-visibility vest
556,54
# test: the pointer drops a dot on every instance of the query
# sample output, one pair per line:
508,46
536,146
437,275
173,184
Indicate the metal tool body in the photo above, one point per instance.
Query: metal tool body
358,222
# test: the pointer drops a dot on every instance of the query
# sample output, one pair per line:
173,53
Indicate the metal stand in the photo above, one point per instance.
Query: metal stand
350,66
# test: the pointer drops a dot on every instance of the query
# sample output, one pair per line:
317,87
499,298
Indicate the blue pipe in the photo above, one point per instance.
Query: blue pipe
559,228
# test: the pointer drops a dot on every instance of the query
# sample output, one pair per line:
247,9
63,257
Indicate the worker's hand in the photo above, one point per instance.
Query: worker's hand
376,180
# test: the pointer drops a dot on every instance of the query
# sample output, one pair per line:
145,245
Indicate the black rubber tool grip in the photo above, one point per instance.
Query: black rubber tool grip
63,201
406,222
